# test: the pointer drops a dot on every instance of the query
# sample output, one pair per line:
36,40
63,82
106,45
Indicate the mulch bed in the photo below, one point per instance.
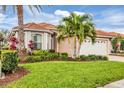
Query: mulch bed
20,72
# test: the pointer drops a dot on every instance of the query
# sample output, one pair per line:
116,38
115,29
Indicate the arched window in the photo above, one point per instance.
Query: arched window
38,41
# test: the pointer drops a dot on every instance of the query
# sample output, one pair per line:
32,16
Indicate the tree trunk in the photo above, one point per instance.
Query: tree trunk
75,47
20,26
70,46
20,33
79,46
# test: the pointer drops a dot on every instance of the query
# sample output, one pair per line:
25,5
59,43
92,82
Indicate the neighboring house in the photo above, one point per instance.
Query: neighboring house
44,37
42,34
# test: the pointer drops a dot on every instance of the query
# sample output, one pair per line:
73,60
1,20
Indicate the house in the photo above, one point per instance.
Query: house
44,37
42,34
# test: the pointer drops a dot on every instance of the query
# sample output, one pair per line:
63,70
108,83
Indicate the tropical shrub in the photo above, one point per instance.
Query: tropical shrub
51,51
39,52
13,42
9,60
32,59
92,57
63,56
83,57
122,45
44,55
49,56
31,44
104,57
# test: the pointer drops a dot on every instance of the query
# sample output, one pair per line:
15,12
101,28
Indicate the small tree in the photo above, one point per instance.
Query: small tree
116,43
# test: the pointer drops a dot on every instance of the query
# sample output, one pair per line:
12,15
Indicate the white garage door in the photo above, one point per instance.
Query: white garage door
98,48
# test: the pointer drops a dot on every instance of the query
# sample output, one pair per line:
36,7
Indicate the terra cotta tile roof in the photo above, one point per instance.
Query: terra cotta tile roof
39,26
111,34
46,26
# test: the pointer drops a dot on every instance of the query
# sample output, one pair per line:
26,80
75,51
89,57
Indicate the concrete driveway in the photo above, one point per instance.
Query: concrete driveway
116,58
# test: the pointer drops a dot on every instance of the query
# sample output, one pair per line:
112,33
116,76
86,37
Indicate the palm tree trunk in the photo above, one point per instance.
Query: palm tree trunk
75,47
20,26
70,46
79,46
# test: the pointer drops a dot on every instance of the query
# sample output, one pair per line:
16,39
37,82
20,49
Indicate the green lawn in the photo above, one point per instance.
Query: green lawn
70,74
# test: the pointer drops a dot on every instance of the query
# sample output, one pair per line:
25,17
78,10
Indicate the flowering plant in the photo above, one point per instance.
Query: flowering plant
31,45
13,42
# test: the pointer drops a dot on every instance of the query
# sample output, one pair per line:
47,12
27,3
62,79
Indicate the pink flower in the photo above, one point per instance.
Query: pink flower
13,42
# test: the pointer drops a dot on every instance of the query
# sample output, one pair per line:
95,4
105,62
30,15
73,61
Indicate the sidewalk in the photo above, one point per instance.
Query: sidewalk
116,84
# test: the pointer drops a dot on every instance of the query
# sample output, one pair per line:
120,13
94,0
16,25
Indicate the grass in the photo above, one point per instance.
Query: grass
70,74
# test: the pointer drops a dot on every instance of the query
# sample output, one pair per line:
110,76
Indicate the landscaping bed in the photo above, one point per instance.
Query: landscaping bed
19,72
69,74
44,55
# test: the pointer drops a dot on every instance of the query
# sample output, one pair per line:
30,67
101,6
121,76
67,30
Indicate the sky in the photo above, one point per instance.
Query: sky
108,18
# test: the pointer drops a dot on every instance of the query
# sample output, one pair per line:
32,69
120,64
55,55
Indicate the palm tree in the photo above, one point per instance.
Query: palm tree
77,26
19,9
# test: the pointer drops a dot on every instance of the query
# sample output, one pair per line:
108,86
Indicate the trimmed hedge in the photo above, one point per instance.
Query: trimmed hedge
63,56
92,58
39,52
9,60
42,55
33,59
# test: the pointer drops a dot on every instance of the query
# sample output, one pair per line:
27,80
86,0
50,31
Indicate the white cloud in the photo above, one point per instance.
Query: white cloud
79,13
1,15
62,13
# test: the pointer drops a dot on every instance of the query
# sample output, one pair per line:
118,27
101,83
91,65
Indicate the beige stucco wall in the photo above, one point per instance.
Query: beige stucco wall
66,46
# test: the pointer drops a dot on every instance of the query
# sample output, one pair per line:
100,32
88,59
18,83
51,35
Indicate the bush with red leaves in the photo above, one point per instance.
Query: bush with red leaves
31,44
13,42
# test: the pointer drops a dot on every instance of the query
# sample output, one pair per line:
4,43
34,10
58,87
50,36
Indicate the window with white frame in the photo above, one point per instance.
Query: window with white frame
48,41
37,41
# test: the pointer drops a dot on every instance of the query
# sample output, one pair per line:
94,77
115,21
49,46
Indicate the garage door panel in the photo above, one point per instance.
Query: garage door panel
98,48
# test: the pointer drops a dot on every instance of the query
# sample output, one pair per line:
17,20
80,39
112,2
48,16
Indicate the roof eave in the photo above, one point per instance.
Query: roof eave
43,30
103,36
